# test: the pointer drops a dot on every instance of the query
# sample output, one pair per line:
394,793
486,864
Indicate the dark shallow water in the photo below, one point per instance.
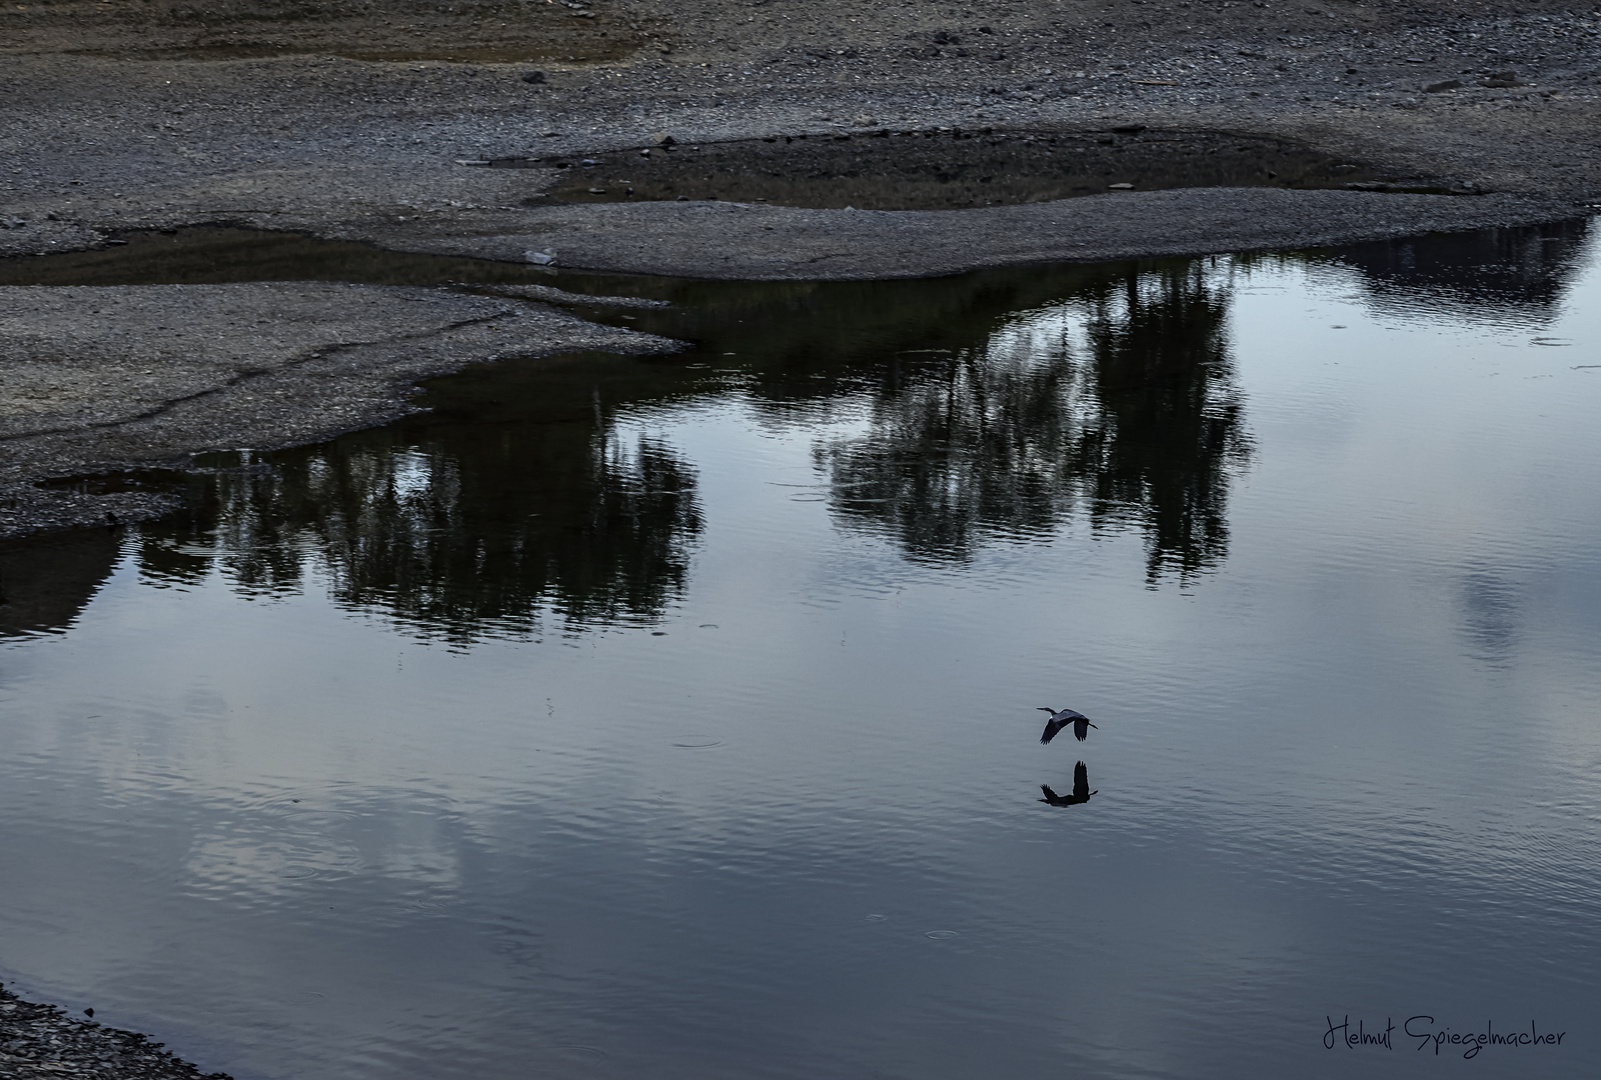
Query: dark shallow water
674,717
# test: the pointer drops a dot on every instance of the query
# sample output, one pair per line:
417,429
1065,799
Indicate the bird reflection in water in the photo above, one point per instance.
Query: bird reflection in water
1081,789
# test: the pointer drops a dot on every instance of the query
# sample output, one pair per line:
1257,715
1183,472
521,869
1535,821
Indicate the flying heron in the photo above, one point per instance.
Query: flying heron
1059,720
1081,789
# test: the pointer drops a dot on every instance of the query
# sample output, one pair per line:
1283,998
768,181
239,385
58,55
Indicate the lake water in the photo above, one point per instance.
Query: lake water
676,716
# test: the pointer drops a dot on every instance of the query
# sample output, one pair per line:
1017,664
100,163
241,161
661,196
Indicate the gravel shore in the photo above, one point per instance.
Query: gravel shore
44,1041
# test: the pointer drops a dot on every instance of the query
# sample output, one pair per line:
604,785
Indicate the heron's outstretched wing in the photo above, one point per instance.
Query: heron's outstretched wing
1060,718
1081,782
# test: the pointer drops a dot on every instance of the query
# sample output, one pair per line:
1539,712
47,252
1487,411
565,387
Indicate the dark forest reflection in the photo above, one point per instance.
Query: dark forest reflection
457,523
1138,425
47,582
1001,406
1501,274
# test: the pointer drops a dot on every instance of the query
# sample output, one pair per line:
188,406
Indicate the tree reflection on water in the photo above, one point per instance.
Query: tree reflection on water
1001,406
1118,403
458,524
515,506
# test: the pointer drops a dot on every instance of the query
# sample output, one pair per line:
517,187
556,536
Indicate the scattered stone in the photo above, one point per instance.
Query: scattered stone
478,162
1120,187
1442,86
661,138
541,258
534,78
1501,80
597,191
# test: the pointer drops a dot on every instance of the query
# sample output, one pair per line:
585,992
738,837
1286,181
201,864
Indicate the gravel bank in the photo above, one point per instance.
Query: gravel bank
44,1041
127,377
338,147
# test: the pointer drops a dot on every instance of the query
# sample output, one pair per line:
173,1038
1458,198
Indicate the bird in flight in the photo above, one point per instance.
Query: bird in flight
1081,789
1059,720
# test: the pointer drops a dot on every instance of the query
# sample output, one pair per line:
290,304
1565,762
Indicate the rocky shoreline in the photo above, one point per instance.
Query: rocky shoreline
45,1041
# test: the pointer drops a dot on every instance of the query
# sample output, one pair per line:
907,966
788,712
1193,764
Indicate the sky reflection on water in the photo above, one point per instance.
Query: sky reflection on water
675,716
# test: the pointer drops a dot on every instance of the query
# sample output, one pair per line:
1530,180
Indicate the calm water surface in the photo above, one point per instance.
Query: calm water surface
675,717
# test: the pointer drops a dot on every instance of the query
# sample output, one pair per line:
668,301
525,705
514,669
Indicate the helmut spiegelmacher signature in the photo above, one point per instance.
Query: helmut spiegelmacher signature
1422,1028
